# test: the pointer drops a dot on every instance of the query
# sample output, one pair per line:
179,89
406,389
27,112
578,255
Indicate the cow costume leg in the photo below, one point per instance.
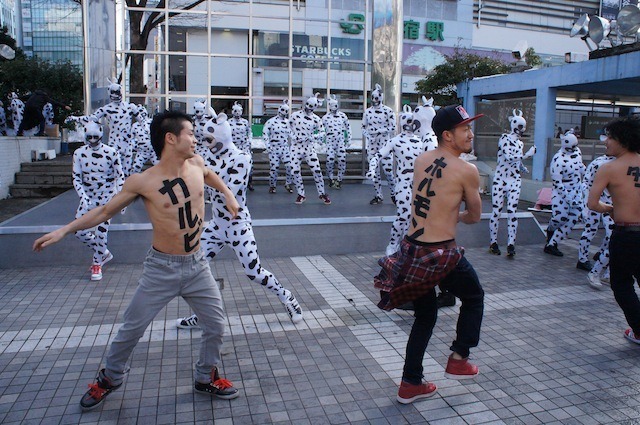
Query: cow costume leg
497,201
372,150
513,196
403,214
233,167
311,158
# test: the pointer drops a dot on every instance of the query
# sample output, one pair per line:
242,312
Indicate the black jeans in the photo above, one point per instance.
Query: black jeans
463,283
624,251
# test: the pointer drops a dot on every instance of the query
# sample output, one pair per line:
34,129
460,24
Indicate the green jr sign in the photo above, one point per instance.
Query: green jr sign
434,31
353,27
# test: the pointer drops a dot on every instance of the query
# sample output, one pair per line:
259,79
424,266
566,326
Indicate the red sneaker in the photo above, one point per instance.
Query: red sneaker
96,272
300,199
460,369
631,336
325,199
408,393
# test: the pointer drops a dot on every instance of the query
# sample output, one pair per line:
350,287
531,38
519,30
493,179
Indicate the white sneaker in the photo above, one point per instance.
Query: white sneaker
108,256
96,272
293,308
594,281
606,277
190,322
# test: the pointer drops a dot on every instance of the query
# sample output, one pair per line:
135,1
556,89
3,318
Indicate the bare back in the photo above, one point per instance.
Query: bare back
175,204
622,177
441,182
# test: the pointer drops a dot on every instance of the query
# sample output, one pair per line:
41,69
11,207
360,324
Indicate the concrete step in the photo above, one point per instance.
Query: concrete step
52,177
46,166
37,190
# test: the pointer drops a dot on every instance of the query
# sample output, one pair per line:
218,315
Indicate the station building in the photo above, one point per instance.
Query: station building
260,52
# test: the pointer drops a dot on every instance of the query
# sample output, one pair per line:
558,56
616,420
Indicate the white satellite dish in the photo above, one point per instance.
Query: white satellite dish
581,26
7,52
629,20
599,28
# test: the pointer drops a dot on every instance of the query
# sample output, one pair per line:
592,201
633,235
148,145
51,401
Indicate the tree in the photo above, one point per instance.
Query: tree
532,58
139,33
458,67
61,80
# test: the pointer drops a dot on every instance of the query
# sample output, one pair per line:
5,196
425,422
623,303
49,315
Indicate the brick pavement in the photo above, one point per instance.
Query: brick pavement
551,350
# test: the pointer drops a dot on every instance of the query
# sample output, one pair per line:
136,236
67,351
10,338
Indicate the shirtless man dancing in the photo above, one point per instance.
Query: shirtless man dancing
622,178
173,195
429,255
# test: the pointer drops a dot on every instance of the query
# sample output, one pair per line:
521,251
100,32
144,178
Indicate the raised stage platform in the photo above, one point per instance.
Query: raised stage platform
282,228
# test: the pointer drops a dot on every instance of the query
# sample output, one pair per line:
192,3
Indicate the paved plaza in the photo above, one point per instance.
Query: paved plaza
551,351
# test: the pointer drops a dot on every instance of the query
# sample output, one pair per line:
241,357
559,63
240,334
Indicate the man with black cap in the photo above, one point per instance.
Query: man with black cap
429,255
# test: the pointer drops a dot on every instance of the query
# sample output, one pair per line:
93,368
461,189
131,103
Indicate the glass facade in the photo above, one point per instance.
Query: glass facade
52,30
255,52
8,17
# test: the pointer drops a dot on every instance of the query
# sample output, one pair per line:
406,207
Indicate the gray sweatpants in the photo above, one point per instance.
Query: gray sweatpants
165,277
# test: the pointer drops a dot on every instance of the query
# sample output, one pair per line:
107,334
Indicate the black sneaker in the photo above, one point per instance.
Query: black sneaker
97,392
494,249
288,188
446,299
332,184
584,265
218,387
338,185
375,201
596,256
553,250
511,251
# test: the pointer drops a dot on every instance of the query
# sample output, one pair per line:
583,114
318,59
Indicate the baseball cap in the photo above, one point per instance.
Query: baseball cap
449,117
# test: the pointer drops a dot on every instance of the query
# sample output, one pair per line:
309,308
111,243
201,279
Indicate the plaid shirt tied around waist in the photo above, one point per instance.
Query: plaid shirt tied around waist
413,271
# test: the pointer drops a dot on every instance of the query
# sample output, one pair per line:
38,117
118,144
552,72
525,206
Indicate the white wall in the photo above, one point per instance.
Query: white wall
13,151
497,38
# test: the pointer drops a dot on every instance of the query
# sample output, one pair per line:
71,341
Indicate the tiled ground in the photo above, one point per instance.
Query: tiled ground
551,350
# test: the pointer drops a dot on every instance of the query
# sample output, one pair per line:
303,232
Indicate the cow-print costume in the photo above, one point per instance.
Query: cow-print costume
47,113
119,116
592,220
97,177
201,115
3,120
17,110
566,170
378,126
508,182
423,116
140,131
276,133
405,147
304,123
200,118
241,133
336,124
233,165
